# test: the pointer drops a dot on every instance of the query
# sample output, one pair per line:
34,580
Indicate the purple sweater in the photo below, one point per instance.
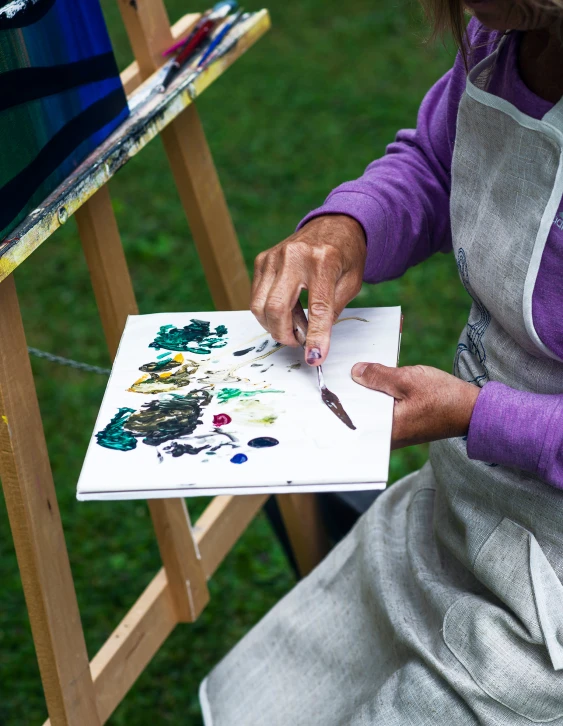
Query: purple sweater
402,202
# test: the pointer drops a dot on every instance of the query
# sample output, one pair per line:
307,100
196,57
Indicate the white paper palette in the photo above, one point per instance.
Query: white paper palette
198,421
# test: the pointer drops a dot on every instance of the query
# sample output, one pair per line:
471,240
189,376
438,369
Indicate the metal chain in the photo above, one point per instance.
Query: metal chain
68,362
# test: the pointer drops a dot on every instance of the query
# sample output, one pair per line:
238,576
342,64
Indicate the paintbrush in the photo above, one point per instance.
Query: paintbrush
300,326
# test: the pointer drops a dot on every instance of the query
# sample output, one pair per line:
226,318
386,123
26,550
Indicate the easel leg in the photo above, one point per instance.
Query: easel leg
305,529
116,300
206,209
37,531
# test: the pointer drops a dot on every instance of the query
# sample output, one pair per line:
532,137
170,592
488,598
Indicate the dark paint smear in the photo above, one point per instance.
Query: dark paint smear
263,442
113,436
239,459
194,338
243,352
178,449
156,366
225,443
162,420
262,346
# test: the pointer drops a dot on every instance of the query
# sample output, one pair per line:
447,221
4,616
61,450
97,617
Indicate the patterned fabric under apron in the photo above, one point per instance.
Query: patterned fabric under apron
444,605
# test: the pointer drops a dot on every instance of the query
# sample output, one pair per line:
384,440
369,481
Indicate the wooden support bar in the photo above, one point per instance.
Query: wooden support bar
37,530
221,524
305,529
205,206
180,556
106,261
114,293
132,645
149,32
134,642
193,168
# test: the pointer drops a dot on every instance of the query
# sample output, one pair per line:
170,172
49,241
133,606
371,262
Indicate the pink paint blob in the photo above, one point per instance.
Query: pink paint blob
221,419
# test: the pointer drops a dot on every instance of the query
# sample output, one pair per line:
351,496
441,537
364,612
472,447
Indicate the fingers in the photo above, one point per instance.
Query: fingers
347,288
282,297
326,257
322,308
264,276
379,378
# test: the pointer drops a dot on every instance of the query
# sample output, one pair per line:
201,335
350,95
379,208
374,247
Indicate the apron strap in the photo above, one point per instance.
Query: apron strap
554,117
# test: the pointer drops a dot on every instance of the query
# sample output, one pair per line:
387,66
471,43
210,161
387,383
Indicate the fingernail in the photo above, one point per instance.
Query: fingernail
313,355
358,370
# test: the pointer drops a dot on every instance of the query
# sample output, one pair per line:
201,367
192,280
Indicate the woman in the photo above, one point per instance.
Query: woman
444,605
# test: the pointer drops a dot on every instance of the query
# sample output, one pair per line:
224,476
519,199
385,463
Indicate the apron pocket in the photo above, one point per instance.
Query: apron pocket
513,647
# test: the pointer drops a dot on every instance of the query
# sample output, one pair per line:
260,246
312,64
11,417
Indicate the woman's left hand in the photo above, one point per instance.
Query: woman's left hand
429,404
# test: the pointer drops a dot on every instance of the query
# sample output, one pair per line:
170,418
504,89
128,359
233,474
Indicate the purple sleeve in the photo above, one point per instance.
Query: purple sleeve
519,429
402,199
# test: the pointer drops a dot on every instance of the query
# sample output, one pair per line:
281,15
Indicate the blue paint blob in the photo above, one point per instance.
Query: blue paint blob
239,459
263,442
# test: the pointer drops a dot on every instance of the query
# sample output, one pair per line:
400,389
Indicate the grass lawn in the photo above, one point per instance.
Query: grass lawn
310,106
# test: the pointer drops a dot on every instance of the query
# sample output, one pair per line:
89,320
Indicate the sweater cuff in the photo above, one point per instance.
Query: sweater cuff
514,428
368,212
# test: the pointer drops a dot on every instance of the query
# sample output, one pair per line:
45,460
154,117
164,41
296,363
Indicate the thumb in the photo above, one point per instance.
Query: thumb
378,377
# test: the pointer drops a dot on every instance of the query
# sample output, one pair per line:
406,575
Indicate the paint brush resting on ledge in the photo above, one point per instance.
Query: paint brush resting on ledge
199,38
300,326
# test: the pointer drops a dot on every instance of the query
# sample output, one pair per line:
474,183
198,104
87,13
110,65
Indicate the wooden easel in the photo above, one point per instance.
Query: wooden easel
79,692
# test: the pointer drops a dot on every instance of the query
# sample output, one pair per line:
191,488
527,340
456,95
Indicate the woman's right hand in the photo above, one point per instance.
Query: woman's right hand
325,257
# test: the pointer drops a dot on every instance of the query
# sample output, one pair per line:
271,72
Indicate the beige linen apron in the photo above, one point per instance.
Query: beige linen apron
444,605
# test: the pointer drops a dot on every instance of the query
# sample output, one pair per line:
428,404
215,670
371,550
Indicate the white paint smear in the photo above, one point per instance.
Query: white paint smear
12,9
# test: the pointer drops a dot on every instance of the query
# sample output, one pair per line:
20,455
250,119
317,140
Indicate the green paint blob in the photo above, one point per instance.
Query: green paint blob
114,436
228,394
193,338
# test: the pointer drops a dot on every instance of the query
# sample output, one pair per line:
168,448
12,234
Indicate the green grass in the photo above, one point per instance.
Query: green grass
310,106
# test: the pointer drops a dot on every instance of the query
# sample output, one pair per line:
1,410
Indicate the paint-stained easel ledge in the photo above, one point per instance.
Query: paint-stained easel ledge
151,111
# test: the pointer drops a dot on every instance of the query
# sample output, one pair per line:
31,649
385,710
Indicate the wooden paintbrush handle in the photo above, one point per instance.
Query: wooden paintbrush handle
300,324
